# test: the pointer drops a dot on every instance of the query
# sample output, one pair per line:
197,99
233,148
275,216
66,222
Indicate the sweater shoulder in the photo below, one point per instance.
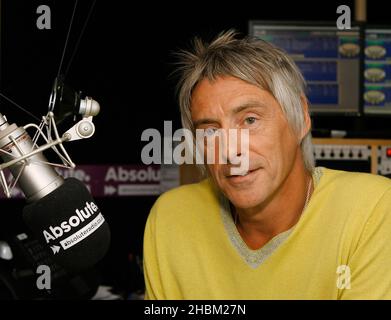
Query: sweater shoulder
353,195
356,181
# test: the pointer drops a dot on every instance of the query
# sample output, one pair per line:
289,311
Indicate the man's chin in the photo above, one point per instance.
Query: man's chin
244,202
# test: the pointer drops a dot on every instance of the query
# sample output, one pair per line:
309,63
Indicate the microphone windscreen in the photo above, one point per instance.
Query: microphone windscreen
70,225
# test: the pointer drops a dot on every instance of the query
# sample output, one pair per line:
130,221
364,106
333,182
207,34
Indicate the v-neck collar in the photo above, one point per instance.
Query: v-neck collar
254,258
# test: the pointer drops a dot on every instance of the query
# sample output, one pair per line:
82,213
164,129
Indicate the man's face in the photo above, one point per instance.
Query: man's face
230,103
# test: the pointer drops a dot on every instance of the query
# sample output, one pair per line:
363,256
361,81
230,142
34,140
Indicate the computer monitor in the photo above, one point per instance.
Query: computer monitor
377,71
328,58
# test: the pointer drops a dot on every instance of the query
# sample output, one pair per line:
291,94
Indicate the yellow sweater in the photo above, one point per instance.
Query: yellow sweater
339,249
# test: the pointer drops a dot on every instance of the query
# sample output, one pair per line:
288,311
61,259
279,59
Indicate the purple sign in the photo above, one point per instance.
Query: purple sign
118,180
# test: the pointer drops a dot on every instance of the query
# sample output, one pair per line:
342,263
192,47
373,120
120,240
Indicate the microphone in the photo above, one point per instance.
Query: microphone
64,102
68,221
35,178
61,213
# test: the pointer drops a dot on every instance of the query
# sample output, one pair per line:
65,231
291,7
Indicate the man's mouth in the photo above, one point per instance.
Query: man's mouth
242,175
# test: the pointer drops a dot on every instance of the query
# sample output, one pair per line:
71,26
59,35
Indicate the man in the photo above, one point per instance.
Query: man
281,230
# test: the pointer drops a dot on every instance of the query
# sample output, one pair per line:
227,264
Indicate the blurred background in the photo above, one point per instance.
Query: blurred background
124,60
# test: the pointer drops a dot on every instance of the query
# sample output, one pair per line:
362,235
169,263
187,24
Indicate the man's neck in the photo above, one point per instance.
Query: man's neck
280,213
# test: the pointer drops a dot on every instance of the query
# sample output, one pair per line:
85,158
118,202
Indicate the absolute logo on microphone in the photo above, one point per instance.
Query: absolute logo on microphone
81,215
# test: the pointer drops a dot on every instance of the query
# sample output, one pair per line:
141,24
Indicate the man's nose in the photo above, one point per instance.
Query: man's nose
232,146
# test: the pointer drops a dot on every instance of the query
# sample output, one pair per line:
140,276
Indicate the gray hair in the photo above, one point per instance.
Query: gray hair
252,60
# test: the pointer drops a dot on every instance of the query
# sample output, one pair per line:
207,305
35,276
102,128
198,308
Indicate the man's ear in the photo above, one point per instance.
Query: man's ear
307,118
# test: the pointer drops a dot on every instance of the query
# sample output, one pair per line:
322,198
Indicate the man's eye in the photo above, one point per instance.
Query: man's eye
250,120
